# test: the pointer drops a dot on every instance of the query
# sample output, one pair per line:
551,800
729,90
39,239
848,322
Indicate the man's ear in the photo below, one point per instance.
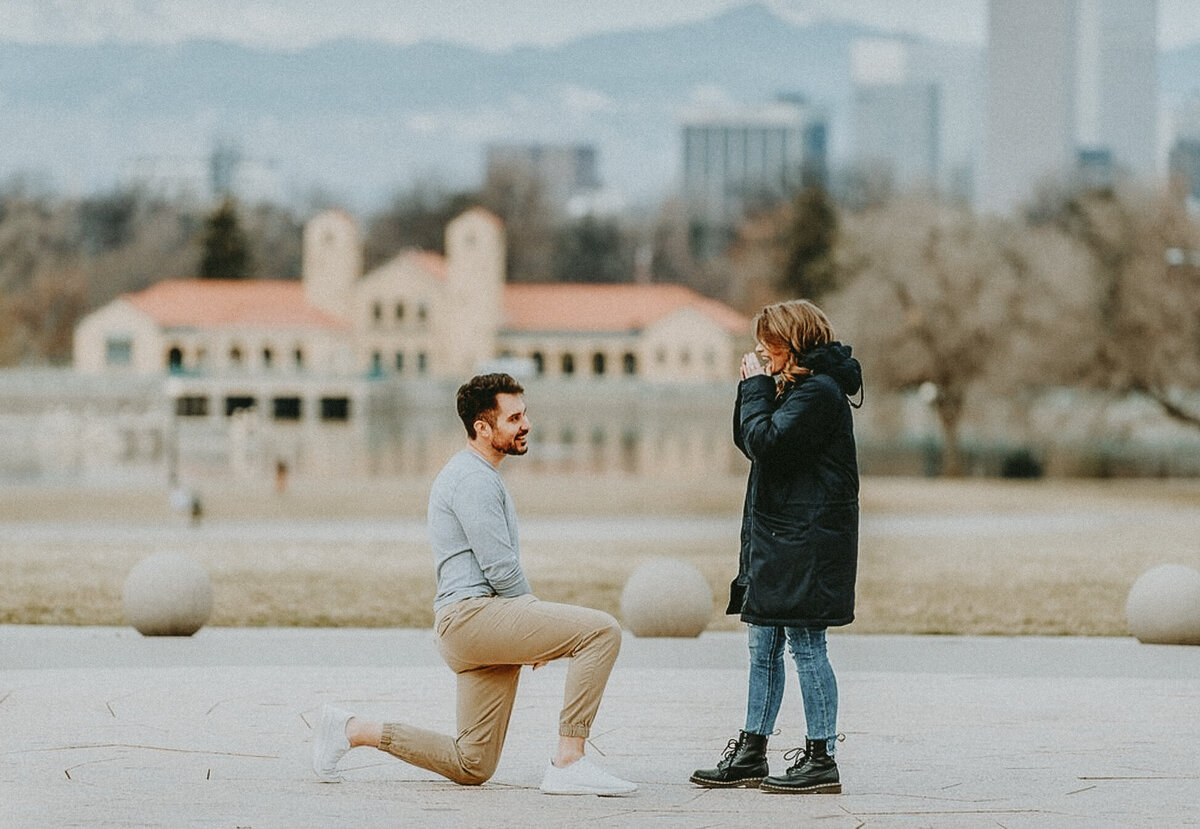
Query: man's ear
482,424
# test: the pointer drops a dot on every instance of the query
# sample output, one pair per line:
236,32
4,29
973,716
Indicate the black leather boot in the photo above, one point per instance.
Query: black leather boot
743,764
814,772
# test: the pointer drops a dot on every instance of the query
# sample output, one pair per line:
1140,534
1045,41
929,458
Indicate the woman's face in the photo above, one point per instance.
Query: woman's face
774,358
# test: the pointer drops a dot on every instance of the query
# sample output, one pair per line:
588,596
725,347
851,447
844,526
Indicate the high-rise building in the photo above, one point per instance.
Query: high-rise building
1118,82
1069,82
896,117
736,161
1030,123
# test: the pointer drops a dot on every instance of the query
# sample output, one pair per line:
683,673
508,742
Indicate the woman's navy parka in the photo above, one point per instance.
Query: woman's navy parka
799,540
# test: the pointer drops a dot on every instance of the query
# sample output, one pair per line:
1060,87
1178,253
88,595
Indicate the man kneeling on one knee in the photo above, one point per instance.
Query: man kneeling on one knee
489,624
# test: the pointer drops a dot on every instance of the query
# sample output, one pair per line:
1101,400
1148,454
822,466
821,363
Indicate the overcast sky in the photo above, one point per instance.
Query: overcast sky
490,24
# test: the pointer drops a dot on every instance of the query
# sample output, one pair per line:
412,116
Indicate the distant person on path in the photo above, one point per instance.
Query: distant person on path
489,624
799,539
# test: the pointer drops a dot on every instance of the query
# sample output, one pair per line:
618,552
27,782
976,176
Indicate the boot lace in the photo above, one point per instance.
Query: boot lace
730,750
799,754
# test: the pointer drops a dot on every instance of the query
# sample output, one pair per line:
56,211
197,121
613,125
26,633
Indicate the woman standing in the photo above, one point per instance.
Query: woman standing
799,539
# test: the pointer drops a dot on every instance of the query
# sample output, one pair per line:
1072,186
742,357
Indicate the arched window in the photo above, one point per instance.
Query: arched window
598,363
568,364
235,356
539,362
629,364
175,359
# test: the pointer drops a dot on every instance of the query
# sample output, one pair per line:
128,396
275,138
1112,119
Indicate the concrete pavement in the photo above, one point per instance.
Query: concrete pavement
101,727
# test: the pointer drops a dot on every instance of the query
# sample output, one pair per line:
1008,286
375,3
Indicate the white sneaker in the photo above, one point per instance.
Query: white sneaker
584,777
330,743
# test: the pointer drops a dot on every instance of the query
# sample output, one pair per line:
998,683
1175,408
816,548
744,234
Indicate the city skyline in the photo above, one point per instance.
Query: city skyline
82,118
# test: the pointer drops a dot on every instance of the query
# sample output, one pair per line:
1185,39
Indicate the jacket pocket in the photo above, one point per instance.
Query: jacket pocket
780,567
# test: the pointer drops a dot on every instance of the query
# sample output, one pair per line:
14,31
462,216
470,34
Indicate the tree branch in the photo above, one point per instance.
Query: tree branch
1170,408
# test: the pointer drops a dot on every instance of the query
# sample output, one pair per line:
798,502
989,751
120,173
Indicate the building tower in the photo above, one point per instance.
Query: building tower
1118,83
897,117
466,328
1029,133
1071,90
736,161
331,261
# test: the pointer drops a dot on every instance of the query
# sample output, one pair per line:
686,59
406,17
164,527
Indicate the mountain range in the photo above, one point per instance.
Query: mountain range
360,120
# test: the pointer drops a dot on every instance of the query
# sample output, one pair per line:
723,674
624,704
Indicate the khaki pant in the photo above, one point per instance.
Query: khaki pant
485,641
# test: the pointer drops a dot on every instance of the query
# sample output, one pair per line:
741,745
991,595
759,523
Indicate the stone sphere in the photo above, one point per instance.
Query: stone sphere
666,597
1163,607
167,594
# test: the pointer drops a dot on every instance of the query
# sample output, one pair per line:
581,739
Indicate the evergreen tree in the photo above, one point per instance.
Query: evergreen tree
808,269
226,251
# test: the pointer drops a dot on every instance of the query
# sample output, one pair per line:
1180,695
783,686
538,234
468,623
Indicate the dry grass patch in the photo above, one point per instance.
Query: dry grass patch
984,557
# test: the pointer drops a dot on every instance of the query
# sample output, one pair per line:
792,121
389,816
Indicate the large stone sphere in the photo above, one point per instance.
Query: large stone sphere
167,594
1163,607
666,597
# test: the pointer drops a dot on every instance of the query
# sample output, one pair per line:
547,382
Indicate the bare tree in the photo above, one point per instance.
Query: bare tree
35,233
518,197
274,236
1142,330
756,259
162,242
40,283
934,298
39,323
416,218
671,258
786,251
593,249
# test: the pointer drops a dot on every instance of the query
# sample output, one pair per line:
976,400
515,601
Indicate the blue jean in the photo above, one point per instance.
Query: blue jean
818,686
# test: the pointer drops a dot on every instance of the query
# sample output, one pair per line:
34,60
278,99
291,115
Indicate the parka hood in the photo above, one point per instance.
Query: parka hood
834,360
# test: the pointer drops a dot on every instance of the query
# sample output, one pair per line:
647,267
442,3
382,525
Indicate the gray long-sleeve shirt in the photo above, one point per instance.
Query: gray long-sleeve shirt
473,533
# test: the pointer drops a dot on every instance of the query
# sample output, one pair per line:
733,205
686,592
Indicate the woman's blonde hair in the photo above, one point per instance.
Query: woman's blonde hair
796,325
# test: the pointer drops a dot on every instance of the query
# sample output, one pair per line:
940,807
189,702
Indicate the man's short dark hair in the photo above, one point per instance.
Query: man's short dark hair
477,398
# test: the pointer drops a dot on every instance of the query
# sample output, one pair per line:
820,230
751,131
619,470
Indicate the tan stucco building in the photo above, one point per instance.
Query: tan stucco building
419,314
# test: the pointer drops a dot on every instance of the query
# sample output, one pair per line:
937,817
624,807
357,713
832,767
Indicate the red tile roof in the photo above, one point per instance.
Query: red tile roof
270,303
624,307
572,307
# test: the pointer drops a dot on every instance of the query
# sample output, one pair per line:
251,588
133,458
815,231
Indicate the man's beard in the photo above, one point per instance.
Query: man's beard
511,447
